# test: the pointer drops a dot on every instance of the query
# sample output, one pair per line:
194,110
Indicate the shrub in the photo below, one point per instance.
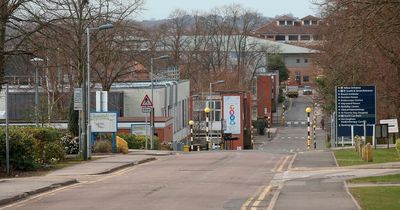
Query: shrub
103,146
398,146
23,150
70,144
46,137
122,145
53,153
139,142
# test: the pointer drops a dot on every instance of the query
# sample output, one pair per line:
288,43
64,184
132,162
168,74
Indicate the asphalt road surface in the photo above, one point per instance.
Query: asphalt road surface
197,180
204,180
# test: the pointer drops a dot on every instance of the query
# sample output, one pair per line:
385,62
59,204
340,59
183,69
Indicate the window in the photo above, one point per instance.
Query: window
306,78
306,22
314,22
270,37
297,60
293,37
305,60
281,22
305,37
280,38
289,22
216,113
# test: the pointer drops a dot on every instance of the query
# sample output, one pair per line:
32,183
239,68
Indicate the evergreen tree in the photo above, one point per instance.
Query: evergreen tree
73,118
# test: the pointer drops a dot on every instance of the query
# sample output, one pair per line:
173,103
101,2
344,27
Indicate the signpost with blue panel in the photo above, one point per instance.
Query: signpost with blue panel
354,106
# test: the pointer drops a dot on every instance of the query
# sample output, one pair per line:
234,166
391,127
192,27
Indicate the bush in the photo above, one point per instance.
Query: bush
398,146
23,150
260,124
122,145
70,144
103,146
46,137
53,153
139,142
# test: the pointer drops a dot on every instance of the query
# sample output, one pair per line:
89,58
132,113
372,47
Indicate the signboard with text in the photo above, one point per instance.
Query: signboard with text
232,114
354,105
104,122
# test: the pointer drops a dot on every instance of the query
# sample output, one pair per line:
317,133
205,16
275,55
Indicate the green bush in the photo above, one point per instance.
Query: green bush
23,150
103,146
139,141
53,152
398,146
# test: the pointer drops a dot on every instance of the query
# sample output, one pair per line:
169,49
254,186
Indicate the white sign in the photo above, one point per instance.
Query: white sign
232,114
393,126
104,122
77,98
146,109
139,129
101,101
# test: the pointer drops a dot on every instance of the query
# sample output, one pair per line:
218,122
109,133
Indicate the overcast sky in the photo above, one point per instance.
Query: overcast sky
160,9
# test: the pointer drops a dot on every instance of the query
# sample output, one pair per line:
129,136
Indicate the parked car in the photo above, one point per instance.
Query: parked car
307,90
292,91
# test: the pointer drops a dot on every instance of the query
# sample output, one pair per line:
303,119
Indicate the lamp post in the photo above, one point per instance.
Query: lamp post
308,110
210,100
86,131
36,61
207,111
191,123
163,57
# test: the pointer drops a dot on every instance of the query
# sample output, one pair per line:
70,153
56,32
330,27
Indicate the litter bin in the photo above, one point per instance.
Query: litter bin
186,148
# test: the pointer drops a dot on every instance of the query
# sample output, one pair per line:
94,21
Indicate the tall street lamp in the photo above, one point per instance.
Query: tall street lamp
36,62
163,57
86,132
210,101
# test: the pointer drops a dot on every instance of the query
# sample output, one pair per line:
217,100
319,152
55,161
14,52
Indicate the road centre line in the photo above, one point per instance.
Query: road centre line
249,200
283,164
277,164
261,197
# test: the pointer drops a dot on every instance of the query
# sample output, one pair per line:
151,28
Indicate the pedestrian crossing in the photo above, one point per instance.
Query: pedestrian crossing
290,137
296,123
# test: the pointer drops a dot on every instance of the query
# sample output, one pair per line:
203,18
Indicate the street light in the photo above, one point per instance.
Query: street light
163,57
210,98
308,110
36,62
86,132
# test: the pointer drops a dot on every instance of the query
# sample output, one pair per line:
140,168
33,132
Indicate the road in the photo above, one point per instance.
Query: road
204,180
278,174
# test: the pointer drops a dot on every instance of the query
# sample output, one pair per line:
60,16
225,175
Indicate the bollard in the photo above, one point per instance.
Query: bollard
368,153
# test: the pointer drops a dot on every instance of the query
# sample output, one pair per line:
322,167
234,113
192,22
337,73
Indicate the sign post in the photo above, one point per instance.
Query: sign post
355,106
147,107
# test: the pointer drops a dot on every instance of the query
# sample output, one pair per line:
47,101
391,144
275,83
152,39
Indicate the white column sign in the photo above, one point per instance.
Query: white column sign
232,114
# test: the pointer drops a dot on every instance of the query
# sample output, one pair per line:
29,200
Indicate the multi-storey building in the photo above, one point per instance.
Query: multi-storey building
291,29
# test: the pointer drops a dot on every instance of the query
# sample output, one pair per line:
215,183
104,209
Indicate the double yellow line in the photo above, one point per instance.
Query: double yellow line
263,192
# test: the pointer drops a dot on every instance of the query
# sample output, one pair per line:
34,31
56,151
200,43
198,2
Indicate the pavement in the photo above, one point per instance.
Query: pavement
14,189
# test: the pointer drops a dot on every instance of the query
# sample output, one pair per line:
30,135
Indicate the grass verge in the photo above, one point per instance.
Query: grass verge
371,198
394,178
348,157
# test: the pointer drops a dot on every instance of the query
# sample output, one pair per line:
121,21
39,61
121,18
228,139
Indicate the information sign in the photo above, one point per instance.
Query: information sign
354,105
104,122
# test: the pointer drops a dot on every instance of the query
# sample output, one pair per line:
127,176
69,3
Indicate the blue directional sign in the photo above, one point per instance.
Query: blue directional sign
354,105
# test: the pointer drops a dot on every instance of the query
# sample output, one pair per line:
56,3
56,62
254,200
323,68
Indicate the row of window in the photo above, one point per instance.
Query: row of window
291,22
290,37
305,60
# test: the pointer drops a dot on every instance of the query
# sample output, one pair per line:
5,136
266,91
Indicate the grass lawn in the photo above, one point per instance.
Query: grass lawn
378,179
348,157
370,198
